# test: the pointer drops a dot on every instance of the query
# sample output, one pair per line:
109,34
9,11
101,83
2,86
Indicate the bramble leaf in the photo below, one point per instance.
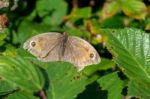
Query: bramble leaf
112,84
21,73
131,51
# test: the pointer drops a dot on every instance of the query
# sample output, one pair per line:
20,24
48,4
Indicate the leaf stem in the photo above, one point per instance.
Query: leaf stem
42,94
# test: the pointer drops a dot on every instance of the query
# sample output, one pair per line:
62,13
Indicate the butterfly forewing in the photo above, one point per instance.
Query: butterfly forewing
44,44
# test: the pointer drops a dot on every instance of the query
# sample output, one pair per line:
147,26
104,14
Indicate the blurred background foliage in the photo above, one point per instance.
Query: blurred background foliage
116,28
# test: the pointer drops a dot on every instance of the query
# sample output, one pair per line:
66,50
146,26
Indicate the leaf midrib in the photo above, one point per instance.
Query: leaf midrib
140,66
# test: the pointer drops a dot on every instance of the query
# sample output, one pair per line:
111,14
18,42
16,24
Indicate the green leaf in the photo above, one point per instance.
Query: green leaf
135,90
78,13
21,72
112,84
21,95
65,82
75,32
27,29
134,8
10,51
131,51
6,88
104,65
2,37
52,11
113,22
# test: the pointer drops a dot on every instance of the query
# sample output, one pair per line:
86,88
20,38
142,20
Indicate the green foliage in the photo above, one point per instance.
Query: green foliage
132,8
113,84
72,82
21,72
6,88
56,78
21,95
2,37
51,11
130,48
77,14
124,70
65,84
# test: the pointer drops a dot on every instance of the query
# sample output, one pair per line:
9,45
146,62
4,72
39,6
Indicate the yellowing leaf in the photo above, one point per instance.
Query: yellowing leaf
110,9
134,8
90,28
147,27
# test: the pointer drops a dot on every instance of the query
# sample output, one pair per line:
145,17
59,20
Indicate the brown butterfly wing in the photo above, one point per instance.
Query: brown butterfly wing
55,53
46,47
50,47
80,53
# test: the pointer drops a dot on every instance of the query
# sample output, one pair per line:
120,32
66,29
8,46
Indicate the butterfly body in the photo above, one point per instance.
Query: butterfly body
64,44
54,46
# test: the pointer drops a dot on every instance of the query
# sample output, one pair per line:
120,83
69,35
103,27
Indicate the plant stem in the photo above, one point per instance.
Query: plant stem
42,95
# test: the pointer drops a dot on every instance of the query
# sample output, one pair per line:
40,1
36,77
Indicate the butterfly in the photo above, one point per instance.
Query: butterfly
53,46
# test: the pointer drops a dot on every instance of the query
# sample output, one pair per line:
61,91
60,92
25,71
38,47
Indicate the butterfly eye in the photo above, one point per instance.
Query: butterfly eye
33,44
91,55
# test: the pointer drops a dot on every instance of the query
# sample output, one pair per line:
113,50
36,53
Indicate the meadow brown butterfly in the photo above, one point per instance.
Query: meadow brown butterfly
54,46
